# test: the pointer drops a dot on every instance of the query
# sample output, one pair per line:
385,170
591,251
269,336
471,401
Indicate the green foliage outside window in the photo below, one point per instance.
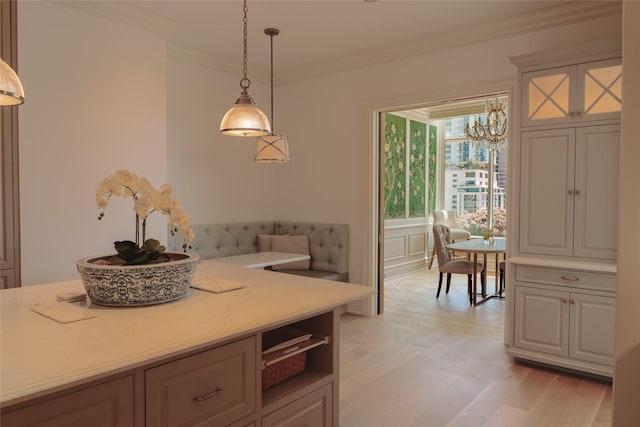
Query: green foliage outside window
476,222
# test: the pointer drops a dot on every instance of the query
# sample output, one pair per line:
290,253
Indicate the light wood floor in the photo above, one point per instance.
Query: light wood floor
428,362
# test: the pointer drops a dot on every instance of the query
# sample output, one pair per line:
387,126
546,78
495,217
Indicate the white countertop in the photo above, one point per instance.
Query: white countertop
260,259
39,355
594,266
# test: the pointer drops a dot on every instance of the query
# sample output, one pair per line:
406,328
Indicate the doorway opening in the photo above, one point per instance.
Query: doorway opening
425,164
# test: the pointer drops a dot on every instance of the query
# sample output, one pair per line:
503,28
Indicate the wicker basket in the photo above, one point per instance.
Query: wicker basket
284,369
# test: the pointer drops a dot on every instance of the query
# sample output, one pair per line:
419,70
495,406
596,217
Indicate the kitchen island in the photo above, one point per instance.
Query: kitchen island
198,359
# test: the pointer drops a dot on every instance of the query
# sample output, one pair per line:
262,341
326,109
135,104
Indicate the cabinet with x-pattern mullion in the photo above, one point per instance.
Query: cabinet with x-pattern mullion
573,94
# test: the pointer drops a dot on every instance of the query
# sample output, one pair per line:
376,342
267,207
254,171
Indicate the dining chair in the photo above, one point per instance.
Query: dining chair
456,232
502,282
446,263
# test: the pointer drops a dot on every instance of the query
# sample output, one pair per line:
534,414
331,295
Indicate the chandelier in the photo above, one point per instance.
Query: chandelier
494,131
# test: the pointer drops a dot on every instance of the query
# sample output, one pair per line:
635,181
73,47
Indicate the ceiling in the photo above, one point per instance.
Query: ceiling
321,36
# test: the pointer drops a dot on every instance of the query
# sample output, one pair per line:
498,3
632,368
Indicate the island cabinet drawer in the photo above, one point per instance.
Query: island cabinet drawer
312,410
566,277
103,405
213,388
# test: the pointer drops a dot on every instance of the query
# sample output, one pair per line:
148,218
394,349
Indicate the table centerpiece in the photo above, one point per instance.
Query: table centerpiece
141,272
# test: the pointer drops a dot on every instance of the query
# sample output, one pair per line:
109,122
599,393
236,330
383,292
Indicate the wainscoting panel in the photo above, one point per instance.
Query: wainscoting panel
395,248
416,244
404,246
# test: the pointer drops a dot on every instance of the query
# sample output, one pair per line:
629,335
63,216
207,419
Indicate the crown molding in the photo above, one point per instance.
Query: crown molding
202,59
568,54
123,13
560,13
563,13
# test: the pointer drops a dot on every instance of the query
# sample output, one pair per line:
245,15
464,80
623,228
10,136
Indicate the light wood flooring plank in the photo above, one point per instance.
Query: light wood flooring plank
439,362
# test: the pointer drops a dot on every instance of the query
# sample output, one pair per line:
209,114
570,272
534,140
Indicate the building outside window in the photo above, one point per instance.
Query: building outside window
466,179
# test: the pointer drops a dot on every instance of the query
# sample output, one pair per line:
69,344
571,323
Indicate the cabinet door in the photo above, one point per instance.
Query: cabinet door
596,192
599,92
541,320
546,192
548,96
105,405
312,410
592,328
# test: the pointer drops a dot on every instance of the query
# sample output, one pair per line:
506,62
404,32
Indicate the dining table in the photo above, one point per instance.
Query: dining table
484,247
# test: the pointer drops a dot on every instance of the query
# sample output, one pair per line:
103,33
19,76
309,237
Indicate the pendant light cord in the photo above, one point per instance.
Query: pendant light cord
245,82
271,32
271,36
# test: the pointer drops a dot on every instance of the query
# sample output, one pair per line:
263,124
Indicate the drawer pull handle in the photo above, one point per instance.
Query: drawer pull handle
570,278
208,396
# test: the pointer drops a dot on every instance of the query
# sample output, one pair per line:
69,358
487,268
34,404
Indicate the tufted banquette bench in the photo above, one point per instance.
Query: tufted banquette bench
328,244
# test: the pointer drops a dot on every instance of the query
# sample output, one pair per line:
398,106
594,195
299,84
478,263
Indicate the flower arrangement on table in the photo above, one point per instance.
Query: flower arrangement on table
146,200
488,236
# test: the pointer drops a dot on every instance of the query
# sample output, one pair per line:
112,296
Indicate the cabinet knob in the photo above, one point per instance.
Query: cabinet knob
570,278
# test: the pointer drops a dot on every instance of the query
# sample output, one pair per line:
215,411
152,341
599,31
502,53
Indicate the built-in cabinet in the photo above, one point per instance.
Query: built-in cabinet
565,313
219,386
572,94
563,233
568,193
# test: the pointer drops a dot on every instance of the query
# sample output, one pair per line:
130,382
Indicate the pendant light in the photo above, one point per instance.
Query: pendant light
11,92
272,148
245,118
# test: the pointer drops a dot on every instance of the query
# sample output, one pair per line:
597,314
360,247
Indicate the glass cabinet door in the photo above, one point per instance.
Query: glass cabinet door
600,95
548,96
572,94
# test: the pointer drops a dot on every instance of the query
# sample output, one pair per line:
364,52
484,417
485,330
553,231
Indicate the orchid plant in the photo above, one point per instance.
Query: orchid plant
146,200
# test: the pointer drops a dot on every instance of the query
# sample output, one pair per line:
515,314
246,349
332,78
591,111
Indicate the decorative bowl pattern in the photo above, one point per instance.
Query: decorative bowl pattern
134,285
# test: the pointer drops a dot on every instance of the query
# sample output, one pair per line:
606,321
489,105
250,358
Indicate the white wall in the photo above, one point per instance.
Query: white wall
215,175
626,385
96,102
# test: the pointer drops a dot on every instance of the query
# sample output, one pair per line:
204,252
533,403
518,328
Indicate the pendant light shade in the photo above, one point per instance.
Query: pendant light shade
11,92
245,118
272,148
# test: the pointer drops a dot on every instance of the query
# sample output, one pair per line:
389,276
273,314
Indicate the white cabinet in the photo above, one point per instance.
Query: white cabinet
568,192
563,230
571,325
572,94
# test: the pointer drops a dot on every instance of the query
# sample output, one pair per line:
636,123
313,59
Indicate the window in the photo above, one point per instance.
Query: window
466,179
